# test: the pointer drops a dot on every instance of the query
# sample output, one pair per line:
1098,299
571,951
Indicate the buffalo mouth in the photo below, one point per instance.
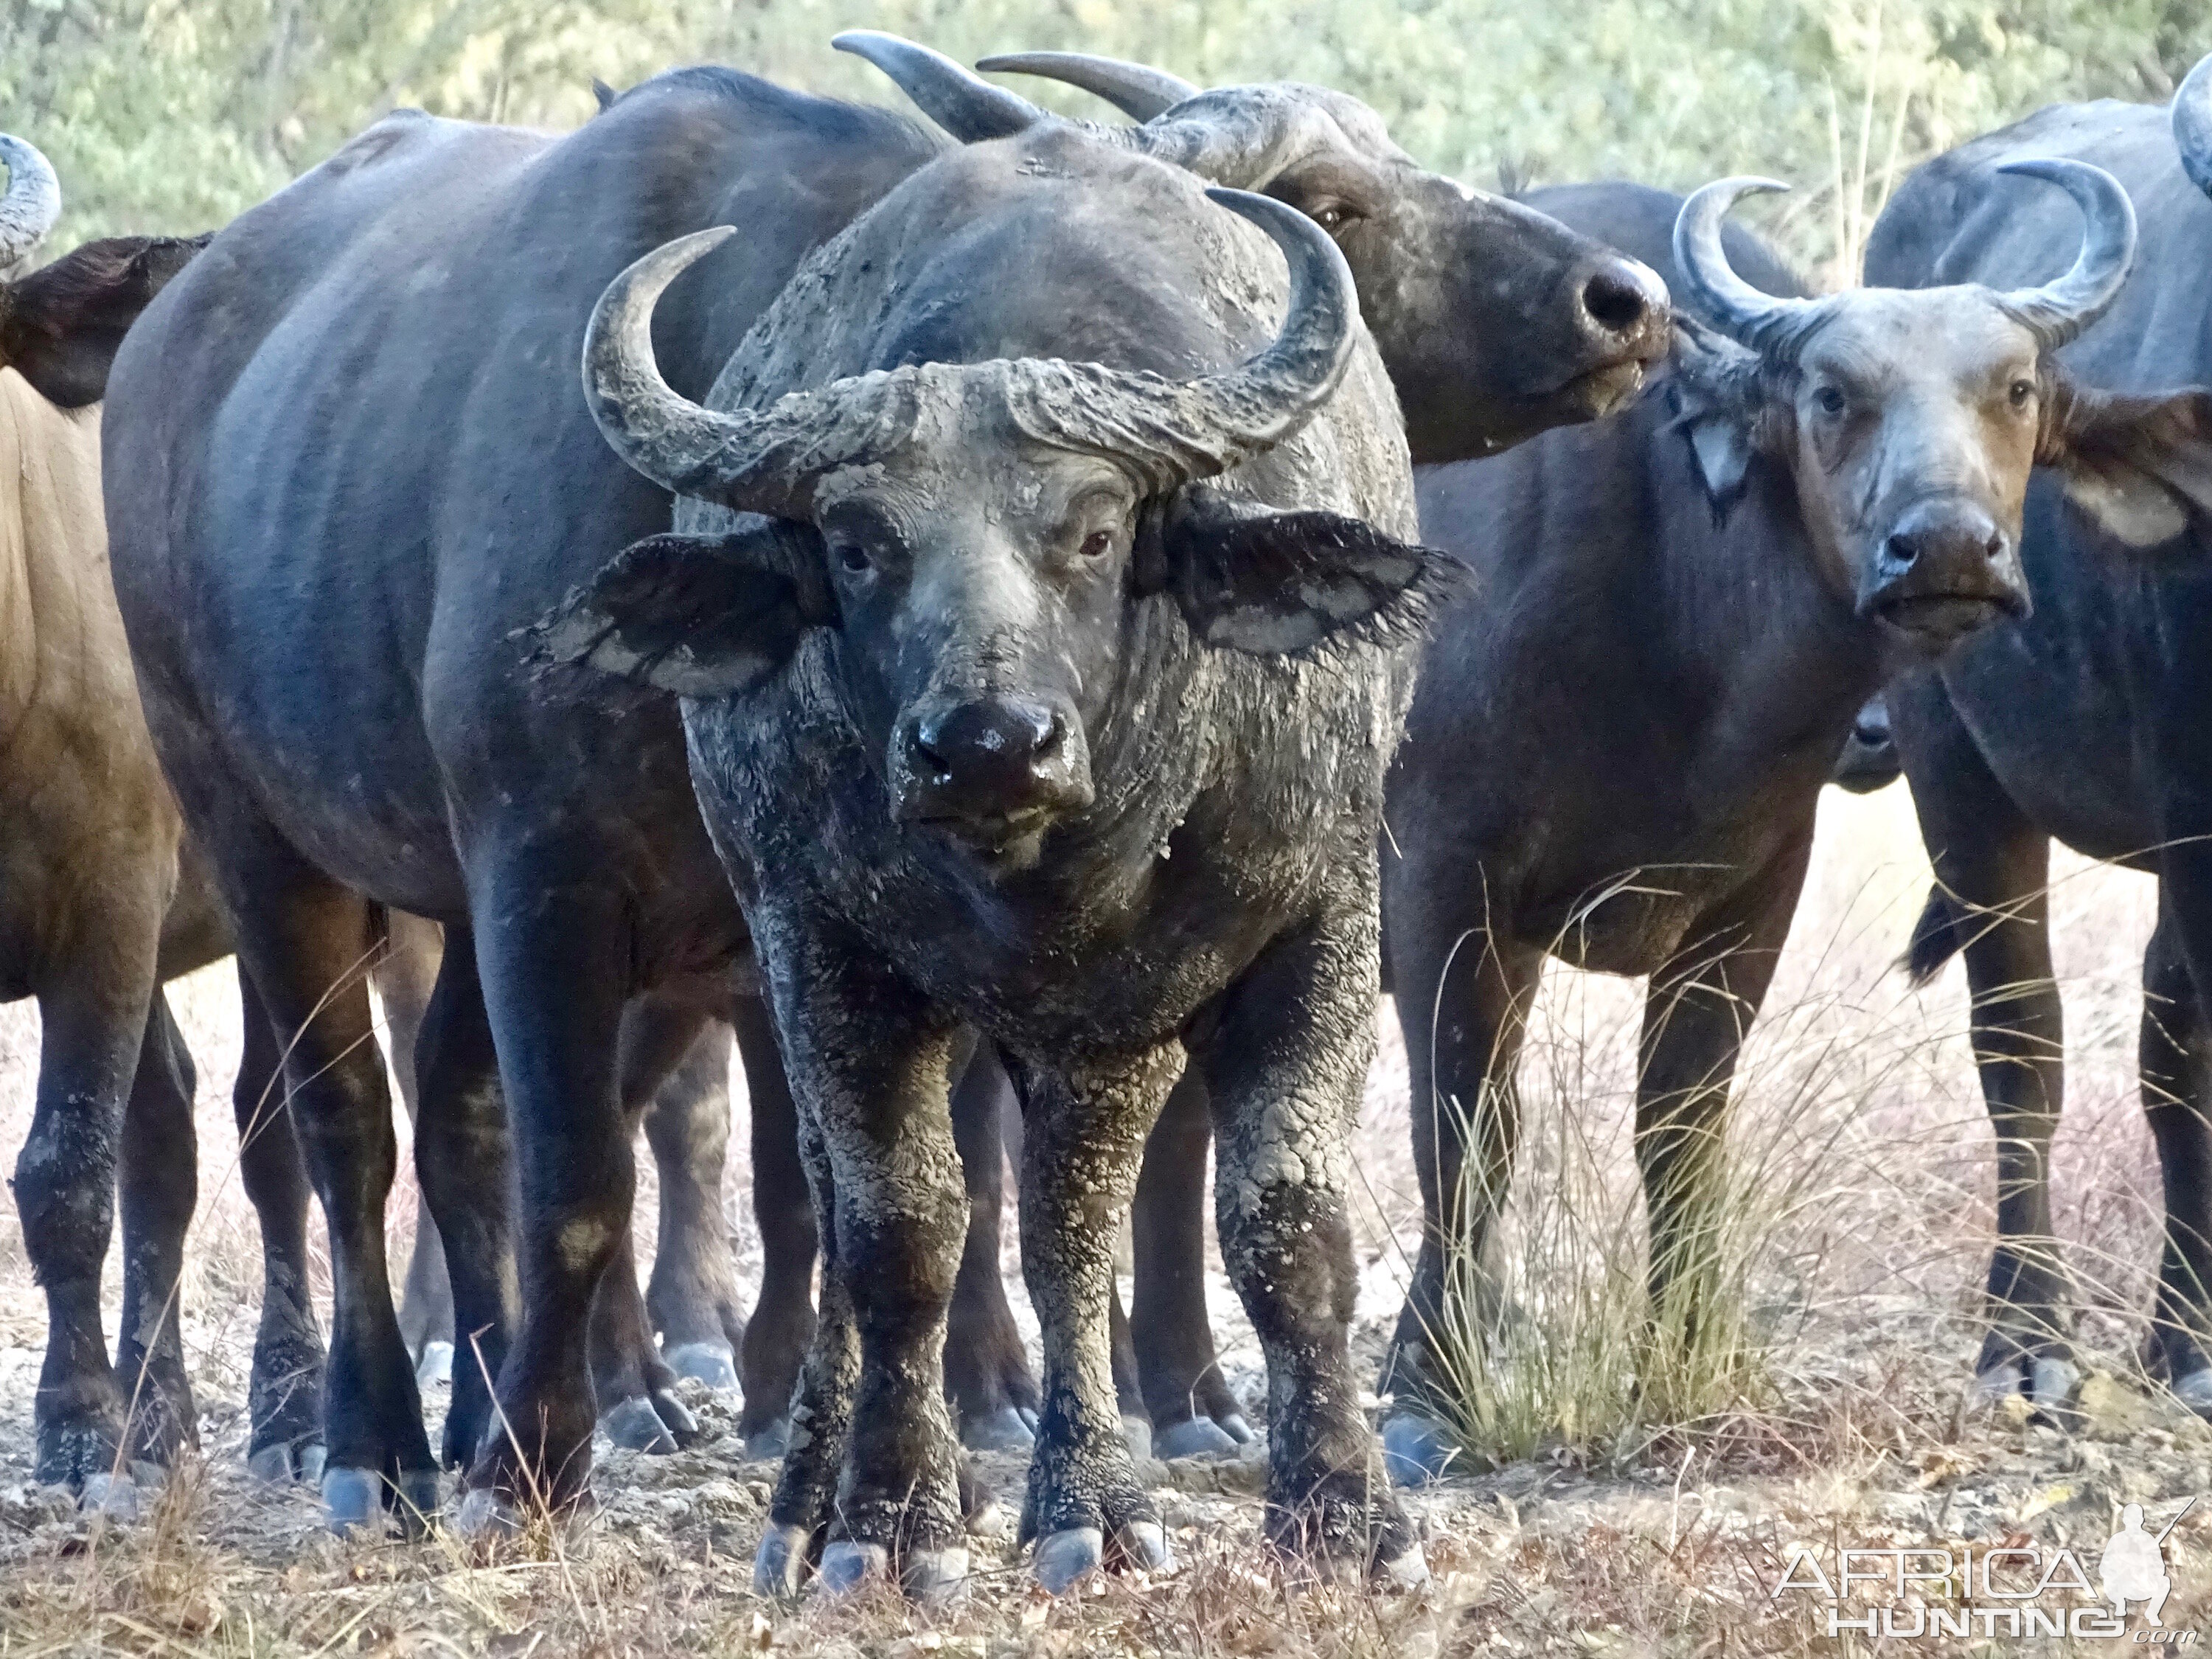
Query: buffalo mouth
1007,838
1937,620
1602,390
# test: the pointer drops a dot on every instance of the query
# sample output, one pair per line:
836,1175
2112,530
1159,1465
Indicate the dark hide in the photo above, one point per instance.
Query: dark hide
60,326
2090,721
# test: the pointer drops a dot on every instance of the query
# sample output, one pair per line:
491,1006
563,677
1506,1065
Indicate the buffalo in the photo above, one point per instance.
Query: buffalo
1618,739
1006,717
350,472
2086,720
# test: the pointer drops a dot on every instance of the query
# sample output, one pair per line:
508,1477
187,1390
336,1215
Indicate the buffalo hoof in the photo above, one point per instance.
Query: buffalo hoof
934,1574
416,1501
1137,1431
72,1452
1144,1545
714,1364
2053,1380
2195,1391
1407,1571
483,1514
289,1460
847,1567
987,1521
1195,1436
353,1501
1063,1559
115,1496
1005,1430
659,1424
433,1364
767,1444
1233,1425
1415,1452
780,1564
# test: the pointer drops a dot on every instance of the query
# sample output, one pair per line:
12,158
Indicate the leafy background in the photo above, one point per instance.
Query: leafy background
173,115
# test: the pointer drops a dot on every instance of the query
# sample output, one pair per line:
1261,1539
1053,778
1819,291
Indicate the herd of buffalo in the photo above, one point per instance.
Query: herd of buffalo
1029,634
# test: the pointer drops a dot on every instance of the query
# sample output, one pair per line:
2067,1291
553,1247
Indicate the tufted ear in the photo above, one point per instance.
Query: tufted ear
60,326
1250,578
1714,384
2138,464
697,615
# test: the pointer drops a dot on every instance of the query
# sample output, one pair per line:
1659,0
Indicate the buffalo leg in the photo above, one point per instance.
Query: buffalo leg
1084,1137
461,1164
1992,872
307,942
994,1396
159,1182
404,978
872,1063
1193,1412
781,1333
91,1032
1463,996
284,1402
1285,1069
553,960
1697,1010
2177,1092
693,1296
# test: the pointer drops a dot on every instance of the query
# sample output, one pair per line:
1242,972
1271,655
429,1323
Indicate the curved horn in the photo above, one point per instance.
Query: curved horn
2192,124
1716,293
33,202
969,107
2059,311
1138,92
1171,431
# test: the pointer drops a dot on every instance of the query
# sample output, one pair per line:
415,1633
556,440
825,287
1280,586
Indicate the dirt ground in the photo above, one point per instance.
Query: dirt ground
1594,1516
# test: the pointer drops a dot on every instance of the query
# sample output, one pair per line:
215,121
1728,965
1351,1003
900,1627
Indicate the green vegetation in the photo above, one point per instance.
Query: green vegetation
176,114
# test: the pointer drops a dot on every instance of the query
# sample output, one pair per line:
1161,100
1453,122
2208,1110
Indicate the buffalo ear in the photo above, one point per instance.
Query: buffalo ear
1252,579
60,326
2139,465
698,616
1714,384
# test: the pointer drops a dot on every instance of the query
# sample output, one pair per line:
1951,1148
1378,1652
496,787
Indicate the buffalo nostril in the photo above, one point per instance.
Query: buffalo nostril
1994,548
1614,301
1900,550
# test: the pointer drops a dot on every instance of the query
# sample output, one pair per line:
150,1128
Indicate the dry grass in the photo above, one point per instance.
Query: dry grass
1619,1513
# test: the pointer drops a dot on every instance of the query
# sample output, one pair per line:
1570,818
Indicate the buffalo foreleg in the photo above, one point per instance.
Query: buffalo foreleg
160,1179
2177,1092
994,1392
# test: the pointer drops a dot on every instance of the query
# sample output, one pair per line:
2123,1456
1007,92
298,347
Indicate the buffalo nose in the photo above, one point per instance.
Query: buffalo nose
1624,298
1959,542
990,756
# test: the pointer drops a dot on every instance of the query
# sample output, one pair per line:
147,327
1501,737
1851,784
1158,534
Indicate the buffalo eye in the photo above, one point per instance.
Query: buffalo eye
1332,216
1097,544
852,557
1831,401
2020,392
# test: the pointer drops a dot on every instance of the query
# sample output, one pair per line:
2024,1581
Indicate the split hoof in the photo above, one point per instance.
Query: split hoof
1415,1452
2195,1391
1003,1430
634,1425
1144,1545
714,1364
433,1364
769,1444
115,1496
289,1460
780,1564
1137,1431
1233,1425
1407,1571
1195,1436
416,1501
2053,1381
1065,1558
483,1514
353,1502
988,1519
848,1567
934,1574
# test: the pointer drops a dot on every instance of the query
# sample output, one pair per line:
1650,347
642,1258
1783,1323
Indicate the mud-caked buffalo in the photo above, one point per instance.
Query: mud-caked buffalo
1006,716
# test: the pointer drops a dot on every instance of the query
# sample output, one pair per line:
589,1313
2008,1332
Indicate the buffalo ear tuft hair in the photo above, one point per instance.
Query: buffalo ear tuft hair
2138,465
60,327
1718,394
694,616
1253,578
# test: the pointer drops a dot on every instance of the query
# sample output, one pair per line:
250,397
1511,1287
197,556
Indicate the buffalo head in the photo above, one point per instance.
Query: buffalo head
1495,321
975,533
1910,420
